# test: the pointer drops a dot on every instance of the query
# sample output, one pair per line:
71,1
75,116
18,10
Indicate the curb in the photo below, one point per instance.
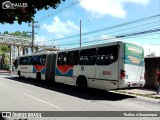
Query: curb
136,94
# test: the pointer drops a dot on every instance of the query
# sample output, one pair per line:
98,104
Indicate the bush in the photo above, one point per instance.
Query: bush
4,67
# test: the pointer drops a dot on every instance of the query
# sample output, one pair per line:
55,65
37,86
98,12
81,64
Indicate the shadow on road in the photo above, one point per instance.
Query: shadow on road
88,94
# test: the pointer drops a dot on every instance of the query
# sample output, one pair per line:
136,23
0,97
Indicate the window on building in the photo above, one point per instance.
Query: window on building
87,57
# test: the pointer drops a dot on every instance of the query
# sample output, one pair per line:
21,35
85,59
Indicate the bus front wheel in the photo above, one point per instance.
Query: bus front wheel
19,74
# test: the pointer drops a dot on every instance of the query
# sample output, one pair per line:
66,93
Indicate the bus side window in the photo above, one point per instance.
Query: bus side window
21,61
72,58
42,59
35,60
25,60
107,55
87,57
29,62
61,59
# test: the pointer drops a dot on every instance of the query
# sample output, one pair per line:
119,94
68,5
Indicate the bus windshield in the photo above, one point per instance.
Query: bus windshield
133,54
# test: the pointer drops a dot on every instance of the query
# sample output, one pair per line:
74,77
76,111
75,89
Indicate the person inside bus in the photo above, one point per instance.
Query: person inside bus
111,58
158,82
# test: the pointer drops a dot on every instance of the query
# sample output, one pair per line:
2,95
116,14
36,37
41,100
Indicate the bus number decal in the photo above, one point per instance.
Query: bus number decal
106,72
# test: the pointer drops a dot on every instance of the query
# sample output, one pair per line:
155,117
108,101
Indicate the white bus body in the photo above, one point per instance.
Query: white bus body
106,66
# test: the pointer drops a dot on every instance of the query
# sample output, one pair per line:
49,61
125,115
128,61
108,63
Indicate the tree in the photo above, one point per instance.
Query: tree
6,32
25,13
22,34
5,58
18,33
4,49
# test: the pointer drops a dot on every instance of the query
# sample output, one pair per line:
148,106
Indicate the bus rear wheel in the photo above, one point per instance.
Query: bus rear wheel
82,82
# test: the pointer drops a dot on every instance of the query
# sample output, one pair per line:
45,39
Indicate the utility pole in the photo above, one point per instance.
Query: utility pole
80,34
33,26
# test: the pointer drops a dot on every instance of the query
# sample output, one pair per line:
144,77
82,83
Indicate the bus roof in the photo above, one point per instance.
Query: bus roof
40,53
93,46
98,45
79,48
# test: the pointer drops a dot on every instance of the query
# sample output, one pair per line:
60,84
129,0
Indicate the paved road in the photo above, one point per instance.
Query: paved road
31,95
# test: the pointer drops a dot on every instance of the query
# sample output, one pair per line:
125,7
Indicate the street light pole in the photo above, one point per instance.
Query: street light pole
80,31
80,27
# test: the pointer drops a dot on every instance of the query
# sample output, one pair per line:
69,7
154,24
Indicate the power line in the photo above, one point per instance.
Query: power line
66,7
109,28
120,36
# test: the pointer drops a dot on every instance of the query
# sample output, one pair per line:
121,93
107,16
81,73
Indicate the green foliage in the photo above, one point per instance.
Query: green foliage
26,14
6,32
5,58
4,49
18,33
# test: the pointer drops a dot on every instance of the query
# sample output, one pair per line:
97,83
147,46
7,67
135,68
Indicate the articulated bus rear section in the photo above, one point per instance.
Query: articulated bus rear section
133,70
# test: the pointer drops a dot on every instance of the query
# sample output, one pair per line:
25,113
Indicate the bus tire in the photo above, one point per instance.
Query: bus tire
38,77
81,82
19,74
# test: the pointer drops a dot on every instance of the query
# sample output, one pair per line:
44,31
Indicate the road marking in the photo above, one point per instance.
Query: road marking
2,84
41,100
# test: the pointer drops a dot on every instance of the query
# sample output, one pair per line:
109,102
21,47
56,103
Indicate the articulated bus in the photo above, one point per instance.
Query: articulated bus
106,66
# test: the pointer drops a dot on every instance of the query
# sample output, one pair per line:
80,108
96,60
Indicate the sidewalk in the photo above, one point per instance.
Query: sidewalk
141,92
4,72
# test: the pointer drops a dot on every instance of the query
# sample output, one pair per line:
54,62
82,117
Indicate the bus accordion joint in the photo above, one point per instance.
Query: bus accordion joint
123,74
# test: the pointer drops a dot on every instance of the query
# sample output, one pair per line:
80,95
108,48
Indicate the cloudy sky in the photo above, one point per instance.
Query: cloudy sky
57,27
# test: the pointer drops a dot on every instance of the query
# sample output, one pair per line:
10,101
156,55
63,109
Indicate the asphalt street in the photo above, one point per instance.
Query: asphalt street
30,95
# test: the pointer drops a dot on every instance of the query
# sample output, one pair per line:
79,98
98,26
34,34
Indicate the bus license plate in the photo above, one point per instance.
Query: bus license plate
135,84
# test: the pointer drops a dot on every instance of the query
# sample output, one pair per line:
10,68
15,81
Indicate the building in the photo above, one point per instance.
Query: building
152,65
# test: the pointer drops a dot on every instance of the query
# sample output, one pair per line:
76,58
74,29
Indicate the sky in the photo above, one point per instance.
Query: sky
56,27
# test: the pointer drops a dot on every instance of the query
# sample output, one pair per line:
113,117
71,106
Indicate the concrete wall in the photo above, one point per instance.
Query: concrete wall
152,65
